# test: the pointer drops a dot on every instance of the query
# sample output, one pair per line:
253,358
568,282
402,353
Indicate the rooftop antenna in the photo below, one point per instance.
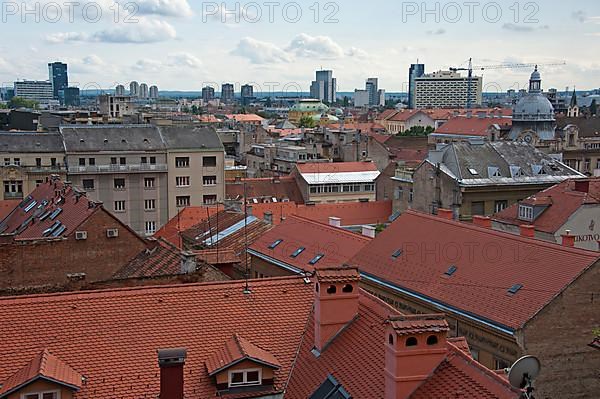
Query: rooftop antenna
247,290
523,372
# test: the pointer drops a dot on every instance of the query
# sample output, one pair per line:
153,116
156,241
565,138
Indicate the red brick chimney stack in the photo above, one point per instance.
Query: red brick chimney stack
171,362
527,230
482,221
568,240
445,214
336,302
415,345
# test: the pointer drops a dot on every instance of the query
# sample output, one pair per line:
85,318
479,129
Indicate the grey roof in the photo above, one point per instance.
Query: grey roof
86,138
588,127
500,163
533,107
190,137
33,142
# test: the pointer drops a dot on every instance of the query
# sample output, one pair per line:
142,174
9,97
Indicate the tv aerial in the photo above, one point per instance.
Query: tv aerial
523,372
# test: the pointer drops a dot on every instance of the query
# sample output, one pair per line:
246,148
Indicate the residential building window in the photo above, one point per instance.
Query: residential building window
182,181
144,160
150,227
478,208
88,184
38,162
526,212
6,161
369,187
475,353
500,205
398,193
209,162
209,180
123,161
209,199
571,140
13,186
501,364
182,201
411,195
244,377
587,164
182,162
120,184
53,162
17,162
81,161
113,160
119,206
152,160
149,205
42,395
92,161
598,164
149,182
38,183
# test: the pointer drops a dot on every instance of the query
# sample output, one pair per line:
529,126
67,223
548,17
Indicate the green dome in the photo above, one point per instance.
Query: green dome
318,117
314,106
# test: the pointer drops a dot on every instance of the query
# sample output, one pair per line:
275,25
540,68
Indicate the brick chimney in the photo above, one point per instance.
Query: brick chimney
268,216
415,345
445,214
482,221
568,240
527,230
335,222
171,362
336,302
188,262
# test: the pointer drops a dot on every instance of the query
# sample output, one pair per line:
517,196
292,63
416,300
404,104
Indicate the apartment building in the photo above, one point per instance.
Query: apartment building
143,174
447,89
36,90
115,106
27,158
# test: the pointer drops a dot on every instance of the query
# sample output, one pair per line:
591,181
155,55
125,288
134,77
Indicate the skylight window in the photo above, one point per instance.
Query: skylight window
317,258
275,244
51,229
56,212
473,172
30,206
397,254
297,252
451,270
515,288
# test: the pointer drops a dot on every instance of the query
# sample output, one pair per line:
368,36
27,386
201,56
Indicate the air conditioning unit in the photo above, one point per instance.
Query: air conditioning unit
81,235
112,233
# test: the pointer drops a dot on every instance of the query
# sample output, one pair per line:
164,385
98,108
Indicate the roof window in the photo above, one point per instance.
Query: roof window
297,252
397,254
275,244
316,259
451,270
515,288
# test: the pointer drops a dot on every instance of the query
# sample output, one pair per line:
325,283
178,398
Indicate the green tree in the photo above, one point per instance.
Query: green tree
417,131
346,101
195,109
18,102
307,121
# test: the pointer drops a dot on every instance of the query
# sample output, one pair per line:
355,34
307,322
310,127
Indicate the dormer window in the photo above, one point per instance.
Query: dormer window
516,171
526,212
538,170
245,378
494,171
42,395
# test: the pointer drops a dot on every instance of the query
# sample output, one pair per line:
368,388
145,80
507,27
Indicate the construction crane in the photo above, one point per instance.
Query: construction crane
471,68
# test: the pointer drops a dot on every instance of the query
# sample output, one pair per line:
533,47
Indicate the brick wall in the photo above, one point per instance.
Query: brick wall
559,336
45,262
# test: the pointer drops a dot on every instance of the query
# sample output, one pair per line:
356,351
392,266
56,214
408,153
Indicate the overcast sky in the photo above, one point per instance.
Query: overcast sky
181,44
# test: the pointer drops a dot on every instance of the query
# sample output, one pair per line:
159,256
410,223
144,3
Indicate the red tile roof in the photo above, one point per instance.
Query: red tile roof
111,336
236,350
217,256
350,213
405,115
338,245
43,365
185,219
72,209
336,167
281,188
6,207
418,324
337,274
463,126
245,118
485,270
563,201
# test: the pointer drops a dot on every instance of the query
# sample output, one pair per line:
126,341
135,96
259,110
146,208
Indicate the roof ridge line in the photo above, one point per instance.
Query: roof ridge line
329,227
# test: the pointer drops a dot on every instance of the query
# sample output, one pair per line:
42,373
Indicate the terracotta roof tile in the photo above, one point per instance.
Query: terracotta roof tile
234,351
485,272
282,188
43,365
336,167
337,274
474,126
6,207
417,324
185,219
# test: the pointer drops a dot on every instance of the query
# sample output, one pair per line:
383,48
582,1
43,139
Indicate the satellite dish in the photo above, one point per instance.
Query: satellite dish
524,371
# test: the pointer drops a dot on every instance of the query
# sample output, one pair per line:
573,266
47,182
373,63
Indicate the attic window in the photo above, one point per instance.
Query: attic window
516,171
494,171
451,270
526,212
397,254
515,288
317,258
297,252
473,172
275,244
538,170
250,377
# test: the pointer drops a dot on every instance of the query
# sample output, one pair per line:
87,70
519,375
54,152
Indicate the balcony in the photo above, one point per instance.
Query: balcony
112,169
13,196
405,175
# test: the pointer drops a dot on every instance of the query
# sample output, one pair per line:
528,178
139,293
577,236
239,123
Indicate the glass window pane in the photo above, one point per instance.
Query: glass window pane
252,376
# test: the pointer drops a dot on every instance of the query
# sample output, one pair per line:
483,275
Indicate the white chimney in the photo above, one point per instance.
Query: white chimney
335,222
188,262
368,231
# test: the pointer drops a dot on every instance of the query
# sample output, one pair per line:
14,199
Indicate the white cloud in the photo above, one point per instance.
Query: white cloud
357,52
523,28
146,31
436,32
321,47
165,8
184,60
180,61
259,52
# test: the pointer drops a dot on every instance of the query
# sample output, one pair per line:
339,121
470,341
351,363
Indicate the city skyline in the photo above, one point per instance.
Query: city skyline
385,40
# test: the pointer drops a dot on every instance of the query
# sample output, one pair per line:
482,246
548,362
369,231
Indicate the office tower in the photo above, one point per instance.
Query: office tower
208,94
380,97
227,93
247,94
372,88
120,90
57,73
361,98
134,89
447,89
154,92
415,71
71,97
143,90
36,90
324,87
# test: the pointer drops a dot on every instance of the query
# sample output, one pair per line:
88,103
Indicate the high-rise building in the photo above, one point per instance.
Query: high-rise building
372,87
227,93
247,94
447,89
208,94
57,74
415,71
153,92
35,90
143,90
134,89
324,87
120,90
361,98
70,97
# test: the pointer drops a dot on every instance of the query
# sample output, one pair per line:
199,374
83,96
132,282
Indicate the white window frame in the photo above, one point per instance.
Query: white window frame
182,179
182,162
149,179
151,202
245,373
40,394
150,227
179,205
526,212
118,209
